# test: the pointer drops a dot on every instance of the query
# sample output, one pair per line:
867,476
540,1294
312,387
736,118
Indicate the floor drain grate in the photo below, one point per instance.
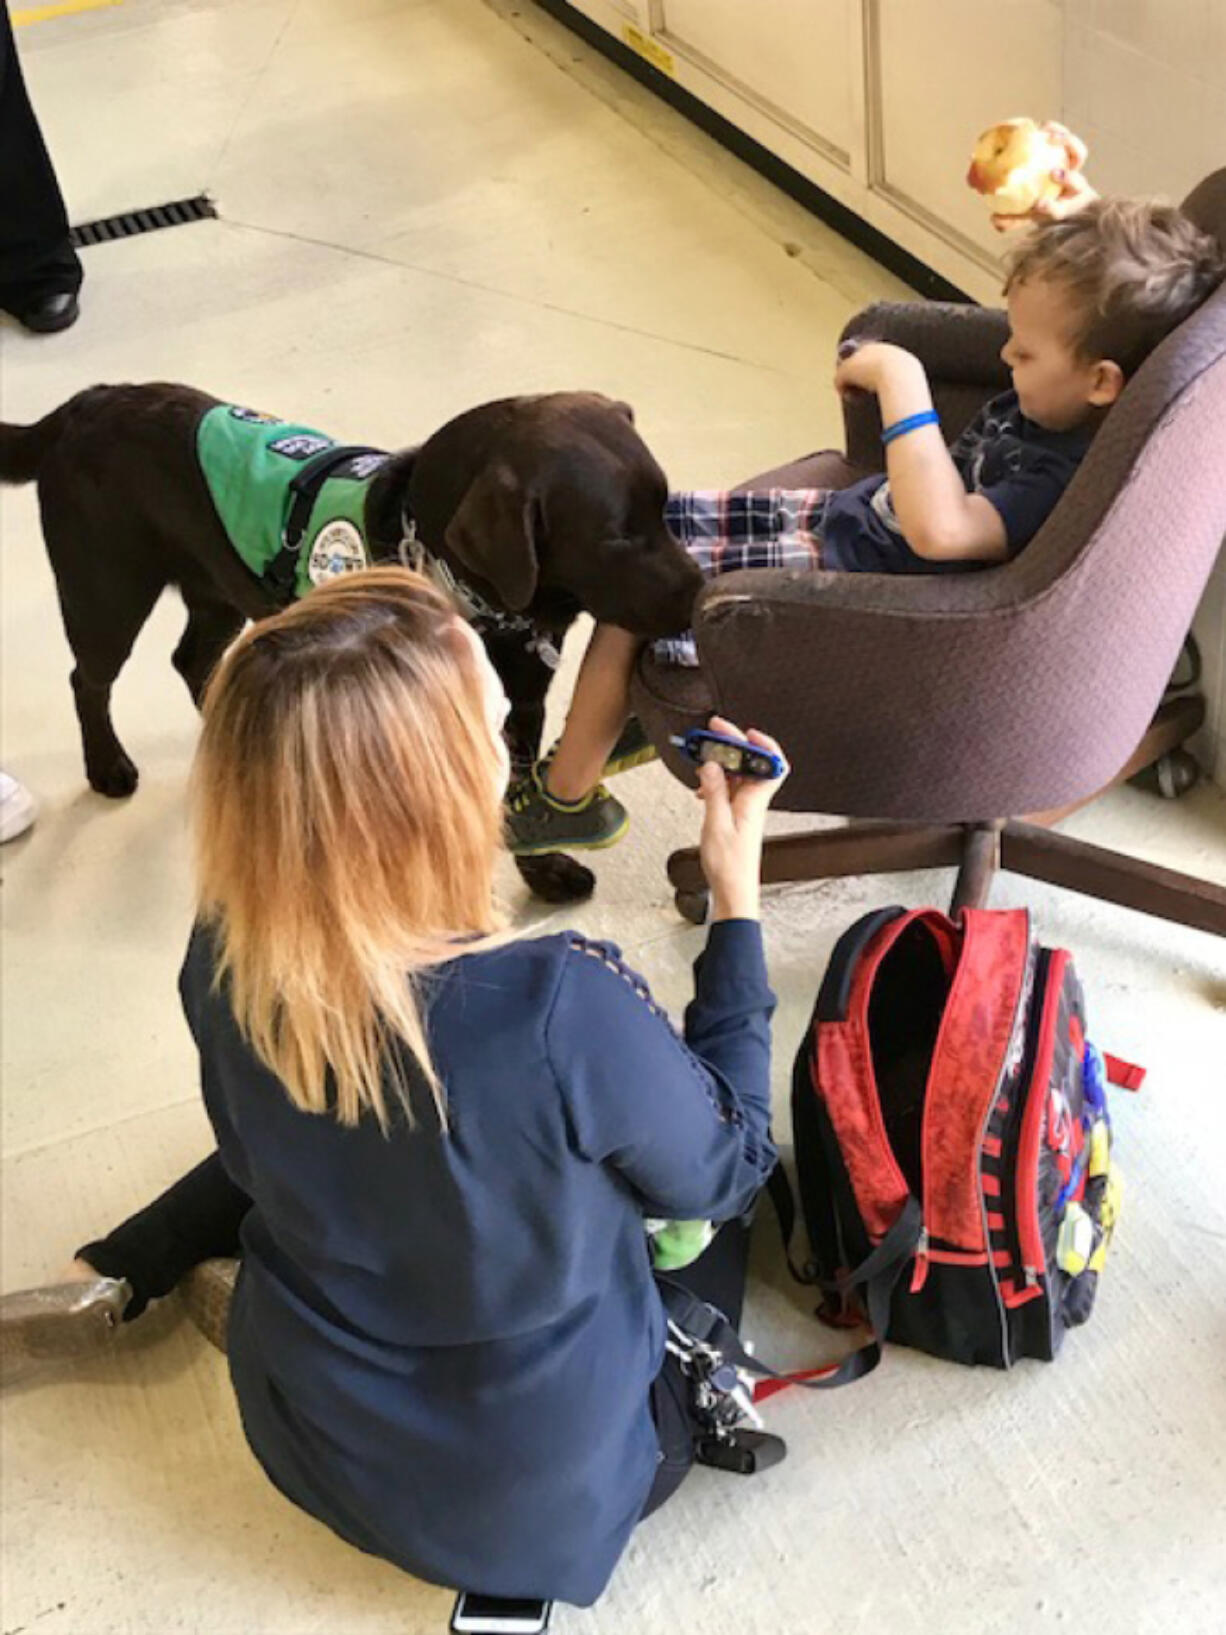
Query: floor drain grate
177,214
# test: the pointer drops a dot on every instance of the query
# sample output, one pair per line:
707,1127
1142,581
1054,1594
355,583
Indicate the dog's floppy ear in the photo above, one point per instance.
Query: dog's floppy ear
624,409
493,533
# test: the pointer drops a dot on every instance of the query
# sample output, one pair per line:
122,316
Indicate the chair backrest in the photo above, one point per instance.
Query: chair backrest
1206,205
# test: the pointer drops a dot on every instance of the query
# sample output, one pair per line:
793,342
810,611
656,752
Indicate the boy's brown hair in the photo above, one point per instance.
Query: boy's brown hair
1133,271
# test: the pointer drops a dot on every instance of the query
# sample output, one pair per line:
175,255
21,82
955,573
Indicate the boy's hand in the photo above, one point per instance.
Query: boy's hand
733,821
873,365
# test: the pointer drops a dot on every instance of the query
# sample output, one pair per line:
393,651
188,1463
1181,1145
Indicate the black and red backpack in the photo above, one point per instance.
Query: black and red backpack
952,1139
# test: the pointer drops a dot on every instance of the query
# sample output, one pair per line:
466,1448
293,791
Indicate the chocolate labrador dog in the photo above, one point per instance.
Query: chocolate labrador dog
532,509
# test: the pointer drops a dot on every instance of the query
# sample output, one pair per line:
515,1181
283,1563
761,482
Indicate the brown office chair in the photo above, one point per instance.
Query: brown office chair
943,708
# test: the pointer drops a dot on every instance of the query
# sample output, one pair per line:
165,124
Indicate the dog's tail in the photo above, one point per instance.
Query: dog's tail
22,448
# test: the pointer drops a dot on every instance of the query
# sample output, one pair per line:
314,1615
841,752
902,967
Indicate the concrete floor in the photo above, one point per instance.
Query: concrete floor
426,203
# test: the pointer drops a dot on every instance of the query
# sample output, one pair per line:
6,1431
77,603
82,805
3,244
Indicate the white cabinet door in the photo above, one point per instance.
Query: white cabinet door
795,58
944,70
634,11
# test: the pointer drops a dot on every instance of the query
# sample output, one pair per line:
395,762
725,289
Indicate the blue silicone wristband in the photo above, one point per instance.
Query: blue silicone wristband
913,422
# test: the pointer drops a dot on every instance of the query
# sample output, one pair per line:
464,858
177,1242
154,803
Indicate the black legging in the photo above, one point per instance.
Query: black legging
199,1218
196,1219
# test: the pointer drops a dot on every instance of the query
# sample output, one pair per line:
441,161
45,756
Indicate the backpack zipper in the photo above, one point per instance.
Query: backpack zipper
1026,1177
1011,1148
1029,992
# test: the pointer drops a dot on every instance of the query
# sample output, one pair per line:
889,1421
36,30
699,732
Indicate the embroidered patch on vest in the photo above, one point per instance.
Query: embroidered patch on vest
300,445
336,549
362,466
253,417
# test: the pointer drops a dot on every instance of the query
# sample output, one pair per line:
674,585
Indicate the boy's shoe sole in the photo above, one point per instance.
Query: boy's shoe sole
574,842
58,1323
542,848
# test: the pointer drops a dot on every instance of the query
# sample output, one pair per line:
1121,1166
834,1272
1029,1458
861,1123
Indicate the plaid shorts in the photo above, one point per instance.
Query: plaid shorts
724,532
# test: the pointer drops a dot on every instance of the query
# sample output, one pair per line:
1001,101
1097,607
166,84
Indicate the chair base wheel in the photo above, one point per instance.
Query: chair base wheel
694,906
1170,775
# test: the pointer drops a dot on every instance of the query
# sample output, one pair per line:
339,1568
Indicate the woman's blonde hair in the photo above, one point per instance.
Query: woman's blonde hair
346,814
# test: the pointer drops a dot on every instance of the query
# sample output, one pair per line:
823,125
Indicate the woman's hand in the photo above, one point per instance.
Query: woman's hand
730,847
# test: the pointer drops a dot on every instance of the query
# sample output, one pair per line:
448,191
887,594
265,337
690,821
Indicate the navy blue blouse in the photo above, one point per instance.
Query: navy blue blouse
442,1344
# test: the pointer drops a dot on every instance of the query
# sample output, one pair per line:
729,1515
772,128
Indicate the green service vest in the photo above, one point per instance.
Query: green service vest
249,461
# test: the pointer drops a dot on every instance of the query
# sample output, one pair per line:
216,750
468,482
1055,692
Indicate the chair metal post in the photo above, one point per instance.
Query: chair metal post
980,862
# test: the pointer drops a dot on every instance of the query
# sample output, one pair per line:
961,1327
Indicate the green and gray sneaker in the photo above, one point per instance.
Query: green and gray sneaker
539,822
633,748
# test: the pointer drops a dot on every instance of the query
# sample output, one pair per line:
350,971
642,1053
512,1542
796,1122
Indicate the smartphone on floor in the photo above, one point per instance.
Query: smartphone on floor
499,1615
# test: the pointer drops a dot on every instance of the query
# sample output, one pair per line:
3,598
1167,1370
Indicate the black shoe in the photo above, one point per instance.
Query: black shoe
49,313
743,1452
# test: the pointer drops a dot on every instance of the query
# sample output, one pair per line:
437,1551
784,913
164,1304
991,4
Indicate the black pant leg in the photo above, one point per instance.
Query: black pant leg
36,257
718,1277
675,1428
194,1220
719,1274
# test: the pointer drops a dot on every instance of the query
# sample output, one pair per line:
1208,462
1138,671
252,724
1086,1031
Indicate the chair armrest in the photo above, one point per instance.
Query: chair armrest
803,654
825,470
959,347
956,343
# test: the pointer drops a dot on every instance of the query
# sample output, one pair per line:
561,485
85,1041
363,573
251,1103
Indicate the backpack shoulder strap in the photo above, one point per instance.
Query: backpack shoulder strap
877,1275
834,995
833,998
842,1073
979,1030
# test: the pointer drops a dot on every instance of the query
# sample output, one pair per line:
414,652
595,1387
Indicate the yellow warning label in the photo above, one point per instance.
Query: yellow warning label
650,49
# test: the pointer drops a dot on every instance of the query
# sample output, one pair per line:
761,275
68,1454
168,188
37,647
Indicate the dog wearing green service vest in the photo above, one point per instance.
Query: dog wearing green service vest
530,510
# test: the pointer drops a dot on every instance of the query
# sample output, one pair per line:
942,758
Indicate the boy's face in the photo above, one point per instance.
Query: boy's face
1055,387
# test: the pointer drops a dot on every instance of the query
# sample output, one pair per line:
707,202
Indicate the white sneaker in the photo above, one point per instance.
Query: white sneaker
17,808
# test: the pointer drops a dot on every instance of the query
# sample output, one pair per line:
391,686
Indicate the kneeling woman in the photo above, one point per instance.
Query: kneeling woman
437,1146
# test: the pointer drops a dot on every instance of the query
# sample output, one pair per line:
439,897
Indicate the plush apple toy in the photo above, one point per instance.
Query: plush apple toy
1029,171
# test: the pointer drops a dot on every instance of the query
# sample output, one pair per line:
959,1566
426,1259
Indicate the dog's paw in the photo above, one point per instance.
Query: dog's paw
556,878
116,780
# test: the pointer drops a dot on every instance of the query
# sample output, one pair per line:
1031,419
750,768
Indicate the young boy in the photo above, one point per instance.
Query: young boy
1089,297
